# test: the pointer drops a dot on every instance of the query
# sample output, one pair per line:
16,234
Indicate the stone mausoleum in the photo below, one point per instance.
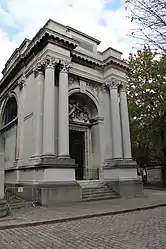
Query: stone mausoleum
64,117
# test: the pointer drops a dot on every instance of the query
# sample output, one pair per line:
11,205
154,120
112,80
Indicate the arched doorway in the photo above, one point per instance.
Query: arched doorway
82,136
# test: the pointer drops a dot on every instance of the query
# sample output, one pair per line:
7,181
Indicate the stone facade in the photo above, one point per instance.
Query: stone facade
65,90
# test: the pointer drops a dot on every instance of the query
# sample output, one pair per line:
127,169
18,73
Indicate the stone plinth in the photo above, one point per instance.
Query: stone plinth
3,208
121,175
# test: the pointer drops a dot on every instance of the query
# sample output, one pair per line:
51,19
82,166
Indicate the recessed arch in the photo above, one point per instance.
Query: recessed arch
10,109
87,93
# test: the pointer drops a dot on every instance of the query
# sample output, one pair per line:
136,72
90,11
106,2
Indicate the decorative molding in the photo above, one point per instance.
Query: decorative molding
73,79
82,86
21,82
114,83
38,68
78,112
65,67
125,86
49,61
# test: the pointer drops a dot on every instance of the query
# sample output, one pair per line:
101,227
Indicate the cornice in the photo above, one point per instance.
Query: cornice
87,58
101,64
115,61
38,42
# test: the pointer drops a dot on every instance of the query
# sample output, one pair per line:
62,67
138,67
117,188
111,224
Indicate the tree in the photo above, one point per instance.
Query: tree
147,106
149,17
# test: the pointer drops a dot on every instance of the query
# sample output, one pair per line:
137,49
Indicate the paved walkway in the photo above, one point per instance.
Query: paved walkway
42,215
135,230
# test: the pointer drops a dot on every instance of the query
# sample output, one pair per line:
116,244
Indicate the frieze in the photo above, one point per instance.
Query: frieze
73,79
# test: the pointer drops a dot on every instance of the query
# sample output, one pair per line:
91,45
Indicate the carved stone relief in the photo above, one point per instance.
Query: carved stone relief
78,112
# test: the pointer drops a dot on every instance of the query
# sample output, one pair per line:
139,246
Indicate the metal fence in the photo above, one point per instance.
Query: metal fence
21,196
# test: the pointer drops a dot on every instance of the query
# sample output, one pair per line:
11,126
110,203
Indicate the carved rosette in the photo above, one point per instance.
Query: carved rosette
21,82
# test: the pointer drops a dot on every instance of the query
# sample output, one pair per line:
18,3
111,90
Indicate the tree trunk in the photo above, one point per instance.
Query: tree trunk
163,140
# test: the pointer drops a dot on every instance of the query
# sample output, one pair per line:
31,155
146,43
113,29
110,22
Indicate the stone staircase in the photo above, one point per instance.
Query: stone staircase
96,190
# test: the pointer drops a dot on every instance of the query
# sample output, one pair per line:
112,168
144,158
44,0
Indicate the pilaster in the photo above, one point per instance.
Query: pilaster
39,80
21,105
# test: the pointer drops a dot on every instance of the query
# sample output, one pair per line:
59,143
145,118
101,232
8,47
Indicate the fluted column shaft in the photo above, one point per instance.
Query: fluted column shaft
116,125
39,110
63,139
125,123
49,105
22,87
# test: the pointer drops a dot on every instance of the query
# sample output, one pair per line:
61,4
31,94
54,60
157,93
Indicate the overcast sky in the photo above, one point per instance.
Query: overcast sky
103,19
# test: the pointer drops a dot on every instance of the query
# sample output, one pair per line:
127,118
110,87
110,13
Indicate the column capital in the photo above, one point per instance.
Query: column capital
38,69
124,86
113,83
49,61
21,82
65,67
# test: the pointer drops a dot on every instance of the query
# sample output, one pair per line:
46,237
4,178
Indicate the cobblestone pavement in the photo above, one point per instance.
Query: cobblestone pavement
41,214
137,230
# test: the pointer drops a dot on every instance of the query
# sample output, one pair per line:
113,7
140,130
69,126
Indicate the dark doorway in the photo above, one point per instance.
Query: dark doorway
76,149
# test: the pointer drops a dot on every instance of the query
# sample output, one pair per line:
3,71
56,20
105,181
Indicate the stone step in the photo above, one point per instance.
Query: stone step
98,195
91,189
97,191
100,198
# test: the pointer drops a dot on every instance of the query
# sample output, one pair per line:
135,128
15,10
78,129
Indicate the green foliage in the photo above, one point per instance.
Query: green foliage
147,104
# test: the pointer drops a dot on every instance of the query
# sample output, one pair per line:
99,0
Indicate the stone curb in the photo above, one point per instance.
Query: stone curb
80,217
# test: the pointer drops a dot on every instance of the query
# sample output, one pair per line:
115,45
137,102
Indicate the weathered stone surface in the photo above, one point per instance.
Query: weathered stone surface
3,208
135,230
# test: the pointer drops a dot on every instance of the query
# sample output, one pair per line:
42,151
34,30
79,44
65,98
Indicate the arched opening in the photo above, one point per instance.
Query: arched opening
10,112
9,131
84,136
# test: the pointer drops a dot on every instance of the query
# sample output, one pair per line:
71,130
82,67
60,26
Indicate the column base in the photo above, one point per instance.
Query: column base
58,162
3,208
121,176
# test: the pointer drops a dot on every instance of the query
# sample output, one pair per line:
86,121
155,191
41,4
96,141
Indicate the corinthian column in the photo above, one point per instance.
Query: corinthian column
49,105
115,118
22,87
39,74
125,122
63,142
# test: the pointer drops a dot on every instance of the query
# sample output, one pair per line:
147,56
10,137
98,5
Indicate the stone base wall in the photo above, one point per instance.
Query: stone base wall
3,208
47,193
126,188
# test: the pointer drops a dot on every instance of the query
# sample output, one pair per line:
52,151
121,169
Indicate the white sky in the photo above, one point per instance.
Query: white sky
103,19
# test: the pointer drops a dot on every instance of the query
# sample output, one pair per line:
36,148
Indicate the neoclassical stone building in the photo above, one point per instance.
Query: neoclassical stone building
64,115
